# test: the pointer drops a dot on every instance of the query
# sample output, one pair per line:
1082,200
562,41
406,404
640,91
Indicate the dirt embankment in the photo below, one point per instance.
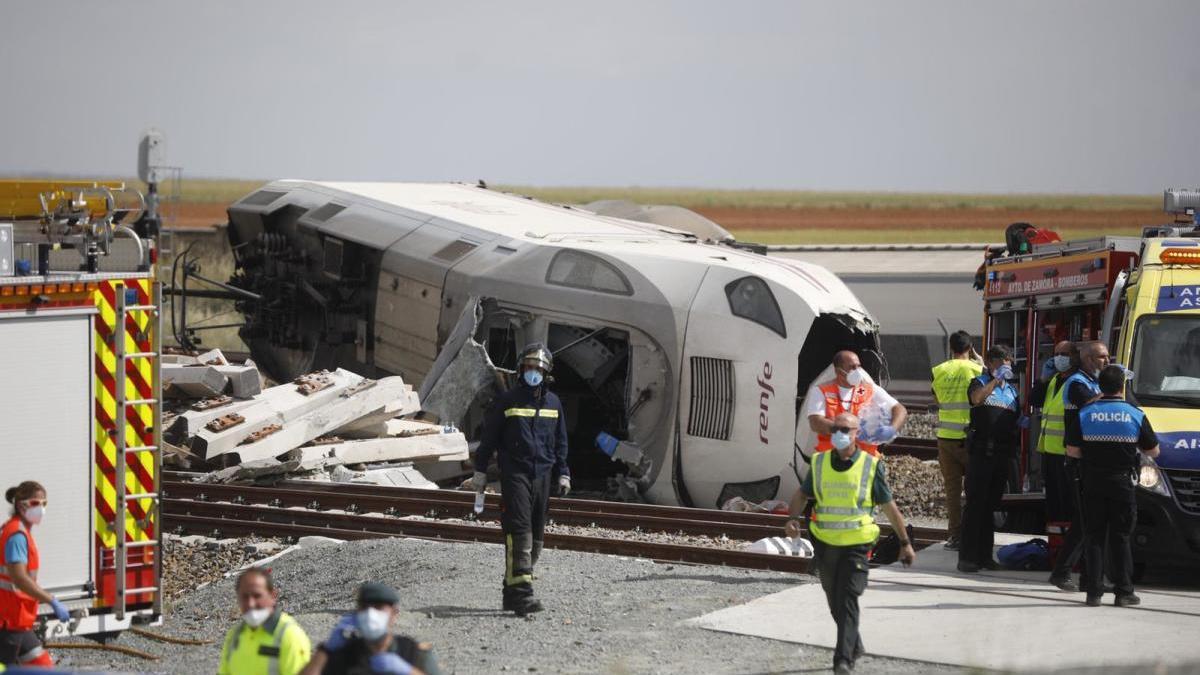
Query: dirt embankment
928,219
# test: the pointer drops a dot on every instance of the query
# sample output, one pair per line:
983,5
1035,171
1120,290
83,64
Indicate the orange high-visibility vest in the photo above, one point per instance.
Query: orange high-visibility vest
18,611
859,398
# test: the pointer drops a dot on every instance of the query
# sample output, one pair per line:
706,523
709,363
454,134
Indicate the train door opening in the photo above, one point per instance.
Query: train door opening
591,377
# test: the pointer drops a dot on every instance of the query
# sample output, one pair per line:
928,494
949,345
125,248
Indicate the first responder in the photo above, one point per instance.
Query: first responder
1081,387
847,485
993,443
267,641
950,381
1107,439
1062,498
851,391
19,589
362,642
526,429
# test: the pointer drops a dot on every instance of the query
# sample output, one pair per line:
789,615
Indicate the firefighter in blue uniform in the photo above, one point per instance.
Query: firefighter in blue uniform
1080,389
527,431
1107,438
993,443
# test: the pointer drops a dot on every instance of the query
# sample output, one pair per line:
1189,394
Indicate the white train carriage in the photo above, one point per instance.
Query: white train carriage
693,352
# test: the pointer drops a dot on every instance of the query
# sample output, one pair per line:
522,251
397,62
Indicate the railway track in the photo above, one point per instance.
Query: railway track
349,511
921,448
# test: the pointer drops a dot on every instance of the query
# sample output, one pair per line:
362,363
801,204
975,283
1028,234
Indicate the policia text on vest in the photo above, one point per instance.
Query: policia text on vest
1107,439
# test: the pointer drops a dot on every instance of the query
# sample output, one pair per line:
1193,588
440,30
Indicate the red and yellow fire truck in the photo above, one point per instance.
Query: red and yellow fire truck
1141,297
79,334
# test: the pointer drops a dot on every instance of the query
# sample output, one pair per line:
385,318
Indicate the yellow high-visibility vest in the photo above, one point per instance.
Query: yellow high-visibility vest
844,514
950,381
1052,440
278,647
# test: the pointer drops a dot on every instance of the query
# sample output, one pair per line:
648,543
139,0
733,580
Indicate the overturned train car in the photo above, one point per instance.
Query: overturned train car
695,354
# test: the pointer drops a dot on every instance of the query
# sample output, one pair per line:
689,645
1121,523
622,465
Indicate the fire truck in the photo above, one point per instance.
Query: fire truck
1140,296
79,334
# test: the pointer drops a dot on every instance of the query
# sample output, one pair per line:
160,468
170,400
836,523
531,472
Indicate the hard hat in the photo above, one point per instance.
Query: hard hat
537,355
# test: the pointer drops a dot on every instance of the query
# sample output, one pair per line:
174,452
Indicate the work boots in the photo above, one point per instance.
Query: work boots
522,606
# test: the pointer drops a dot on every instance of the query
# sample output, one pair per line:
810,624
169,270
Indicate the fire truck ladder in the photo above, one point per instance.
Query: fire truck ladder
121,554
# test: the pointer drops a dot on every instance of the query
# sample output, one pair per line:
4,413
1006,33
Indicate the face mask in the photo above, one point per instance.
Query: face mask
532,377
1095,374
256,617
372,623
855,377
840,439
1062,363
34,514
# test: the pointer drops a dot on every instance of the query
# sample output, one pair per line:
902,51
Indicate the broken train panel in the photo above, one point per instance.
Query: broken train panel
697,355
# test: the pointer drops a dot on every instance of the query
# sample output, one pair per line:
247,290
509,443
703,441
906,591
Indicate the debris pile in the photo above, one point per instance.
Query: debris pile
324,425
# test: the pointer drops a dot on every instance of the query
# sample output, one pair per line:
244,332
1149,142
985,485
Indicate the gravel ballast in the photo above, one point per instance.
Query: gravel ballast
605,614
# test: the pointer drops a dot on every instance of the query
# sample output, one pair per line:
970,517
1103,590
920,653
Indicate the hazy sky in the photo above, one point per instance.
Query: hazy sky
1036,96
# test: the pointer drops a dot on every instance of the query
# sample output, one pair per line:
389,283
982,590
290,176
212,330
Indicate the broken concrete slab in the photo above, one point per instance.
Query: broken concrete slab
401,476
434,446
190,422
212,357
279,405
345,406
244,381
188,381
179,360
370,425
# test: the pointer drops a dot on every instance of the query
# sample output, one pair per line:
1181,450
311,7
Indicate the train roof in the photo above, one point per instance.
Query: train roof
539,223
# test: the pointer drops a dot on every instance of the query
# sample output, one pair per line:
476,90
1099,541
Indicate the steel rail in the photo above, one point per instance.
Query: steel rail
391,500
227,519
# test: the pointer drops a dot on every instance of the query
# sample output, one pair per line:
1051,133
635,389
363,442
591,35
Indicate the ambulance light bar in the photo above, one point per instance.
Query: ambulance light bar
1180,256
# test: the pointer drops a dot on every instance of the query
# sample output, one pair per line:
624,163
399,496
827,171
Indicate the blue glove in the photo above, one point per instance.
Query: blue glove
60,610
1023,421
607,443
341,633
1004,372
1048,368
886,434
389,663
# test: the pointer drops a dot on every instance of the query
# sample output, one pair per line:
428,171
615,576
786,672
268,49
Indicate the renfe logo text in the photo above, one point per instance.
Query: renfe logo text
766,391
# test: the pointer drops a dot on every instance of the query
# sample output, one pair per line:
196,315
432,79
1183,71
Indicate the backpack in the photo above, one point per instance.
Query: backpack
1031,555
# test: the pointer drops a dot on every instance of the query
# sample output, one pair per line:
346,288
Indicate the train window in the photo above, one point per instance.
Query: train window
262,198
750,299
577,269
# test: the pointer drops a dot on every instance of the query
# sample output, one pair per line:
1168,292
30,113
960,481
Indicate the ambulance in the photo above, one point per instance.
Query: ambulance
1141,296
80,405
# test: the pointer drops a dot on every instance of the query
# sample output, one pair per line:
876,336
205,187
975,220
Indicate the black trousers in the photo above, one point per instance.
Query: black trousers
1110,510
524,500
843,571
1068,495
987,472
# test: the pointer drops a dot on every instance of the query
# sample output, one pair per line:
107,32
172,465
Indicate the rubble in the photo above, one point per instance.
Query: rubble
324,425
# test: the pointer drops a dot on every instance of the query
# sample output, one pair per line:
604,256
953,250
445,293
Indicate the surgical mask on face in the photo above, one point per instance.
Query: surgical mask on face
372,623
256,617
34,514
532,377
1062,362
855,377
840,440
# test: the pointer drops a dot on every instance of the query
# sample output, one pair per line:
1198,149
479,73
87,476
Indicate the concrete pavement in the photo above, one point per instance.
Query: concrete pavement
997,620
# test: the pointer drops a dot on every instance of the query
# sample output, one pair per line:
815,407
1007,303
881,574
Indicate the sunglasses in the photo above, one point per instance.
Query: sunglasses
35,502
845,430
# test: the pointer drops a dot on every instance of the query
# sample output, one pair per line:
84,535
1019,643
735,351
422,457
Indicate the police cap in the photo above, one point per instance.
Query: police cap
374,593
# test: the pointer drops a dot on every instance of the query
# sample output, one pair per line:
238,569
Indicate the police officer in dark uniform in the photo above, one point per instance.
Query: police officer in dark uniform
1107,439
526,429
993,442
1081,388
